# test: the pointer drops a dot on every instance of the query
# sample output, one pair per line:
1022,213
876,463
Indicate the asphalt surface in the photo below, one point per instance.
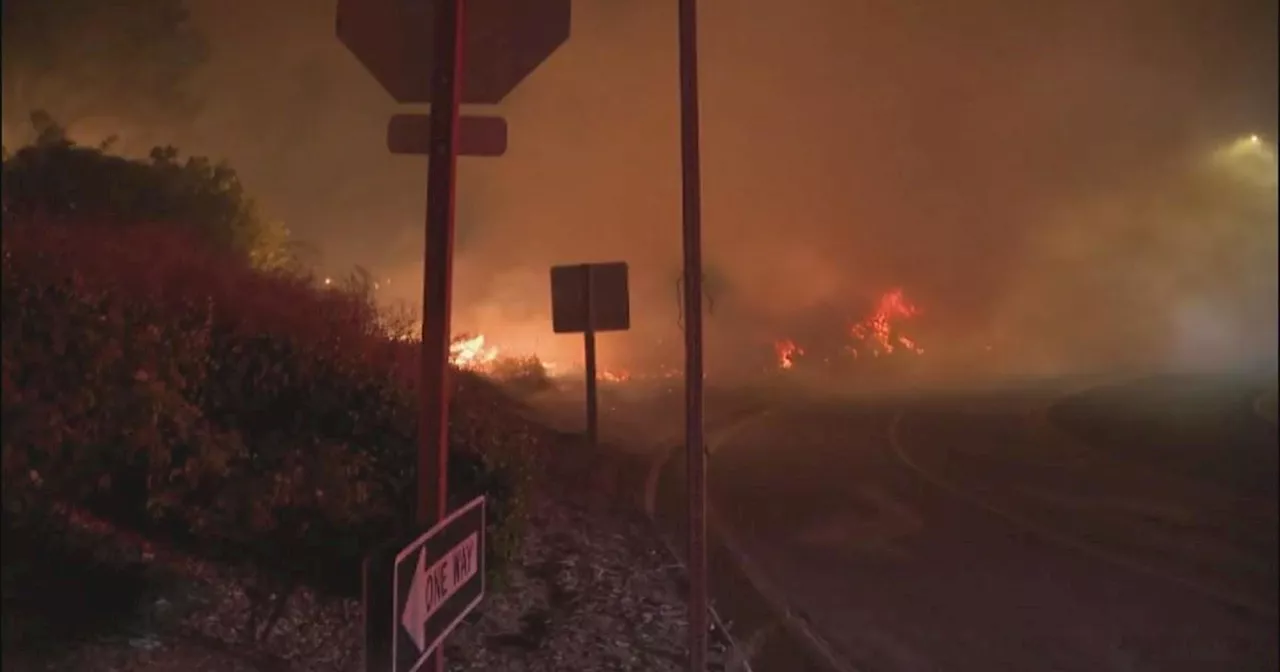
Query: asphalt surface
645,420
1128,528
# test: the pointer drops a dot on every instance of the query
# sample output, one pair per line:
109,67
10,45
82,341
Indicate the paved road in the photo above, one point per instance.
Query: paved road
967,533
640,415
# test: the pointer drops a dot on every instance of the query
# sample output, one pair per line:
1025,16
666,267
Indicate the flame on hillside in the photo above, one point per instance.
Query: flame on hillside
477,353
471,352
877,334
787,351
618,376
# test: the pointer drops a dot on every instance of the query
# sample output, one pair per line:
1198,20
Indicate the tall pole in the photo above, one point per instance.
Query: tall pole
437,273
589,361
691,188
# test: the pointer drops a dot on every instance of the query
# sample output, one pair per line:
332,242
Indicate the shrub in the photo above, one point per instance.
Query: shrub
166,383
98,391
56,179
522,375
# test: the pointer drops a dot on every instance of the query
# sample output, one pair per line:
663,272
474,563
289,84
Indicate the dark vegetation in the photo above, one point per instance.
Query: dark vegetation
836,363
521,375
167,367
55,180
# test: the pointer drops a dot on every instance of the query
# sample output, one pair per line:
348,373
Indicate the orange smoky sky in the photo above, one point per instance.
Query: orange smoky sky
850,146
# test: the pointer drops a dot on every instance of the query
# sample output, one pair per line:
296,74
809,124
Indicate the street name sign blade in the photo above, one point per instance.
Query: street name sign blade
417,594
477,135
610,304
505,41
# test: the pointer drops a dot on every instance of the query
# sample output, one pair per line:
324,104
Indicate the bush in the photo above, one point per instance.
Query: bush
169,385
55,179
521,375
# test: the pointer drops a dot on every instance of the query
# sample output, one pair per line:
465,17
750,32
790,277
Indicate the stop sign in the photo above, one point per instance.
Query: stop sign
505,40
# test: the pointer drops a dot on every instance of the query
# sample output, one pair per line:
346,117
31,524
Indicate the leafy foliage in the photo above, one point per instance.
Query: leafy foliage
163,383
128,59
521,374
56,179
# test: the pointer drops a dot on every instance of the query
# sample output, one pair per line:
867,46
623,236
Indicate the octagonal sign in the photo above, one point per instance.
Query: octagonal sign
504,41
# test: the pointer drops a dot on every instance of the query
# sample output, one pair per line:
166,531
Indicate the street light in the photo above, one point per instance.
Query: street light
1253,160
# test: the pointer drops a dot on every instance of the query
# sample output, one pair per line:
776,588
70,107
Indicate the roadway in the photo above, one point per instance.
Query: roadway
1128,528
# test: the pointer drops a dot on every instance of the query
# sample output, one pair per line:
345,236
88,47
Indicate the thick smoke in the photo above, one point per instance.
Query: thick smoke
1038,177
1177,271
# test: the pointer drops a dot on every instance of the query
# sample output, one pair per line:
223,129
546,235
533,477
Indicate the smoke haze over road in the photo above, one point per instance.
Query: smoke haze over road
1054,180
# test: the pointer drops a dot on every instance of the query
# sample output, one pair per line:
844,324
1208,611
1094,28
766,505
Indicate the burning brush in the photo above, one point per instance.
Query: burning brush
877,334
471,352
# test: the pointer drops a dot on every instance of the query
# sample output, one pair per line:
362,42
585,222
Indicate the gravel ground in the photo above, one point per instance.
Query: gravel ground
593,589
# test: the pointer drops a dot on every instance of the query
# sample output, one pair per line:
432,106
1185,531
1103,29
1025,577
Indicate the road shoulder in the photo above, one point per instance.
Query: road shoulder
769,634
591,588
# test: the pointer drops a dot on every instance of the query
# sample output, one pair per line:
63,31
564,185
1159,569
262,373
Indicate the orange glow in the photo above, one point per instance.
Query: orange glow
477,353
787,352
471,352
876,335
878,330
617,376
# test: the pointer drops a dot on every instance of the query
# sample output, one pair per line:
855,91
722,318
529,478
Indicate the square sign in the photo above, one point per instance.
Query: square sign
416,595
590,295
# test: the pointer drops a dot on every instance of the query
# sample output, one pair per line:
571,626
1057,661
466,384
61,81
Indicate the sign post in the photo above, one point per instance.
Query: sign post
589,362
691,190
437,273
414,49
586,298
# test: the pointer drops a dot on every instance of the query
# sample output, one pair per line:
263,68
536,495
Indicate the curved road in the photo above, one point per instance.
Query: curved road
970,533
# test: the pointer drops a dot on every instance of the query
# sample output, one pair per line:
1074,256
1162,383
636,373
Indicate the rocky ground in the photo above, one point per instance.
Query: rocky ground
593,589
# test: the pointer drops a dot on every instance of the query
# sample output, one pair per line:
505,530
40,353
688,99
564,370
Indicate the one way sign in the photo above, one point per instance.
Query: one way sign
415,595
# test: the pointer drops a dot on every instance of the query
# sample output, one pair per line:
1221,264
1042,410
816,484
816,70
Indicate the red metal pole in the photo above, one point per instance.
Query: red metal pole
691,184
437,274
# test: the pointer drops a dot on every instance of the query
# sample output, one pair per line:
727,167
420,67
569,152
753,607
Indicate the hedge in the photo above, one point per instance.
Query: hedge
177,389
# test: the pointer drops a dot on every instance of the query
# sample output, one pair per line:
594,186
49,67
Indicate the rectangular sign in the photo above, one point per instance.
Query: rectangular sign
417,594
432,587
609,308
477,136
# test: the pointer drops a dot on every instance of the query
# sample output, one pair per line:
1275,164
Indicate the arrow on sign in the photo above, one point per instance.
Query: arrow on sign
415,615
432,587
409,607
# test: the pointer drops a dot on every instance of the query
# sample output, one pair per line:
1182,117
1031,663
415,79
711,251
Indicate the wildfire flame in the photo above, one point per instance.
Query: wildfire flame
618,376
876,334
787,352
471,352
475,353
878,329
